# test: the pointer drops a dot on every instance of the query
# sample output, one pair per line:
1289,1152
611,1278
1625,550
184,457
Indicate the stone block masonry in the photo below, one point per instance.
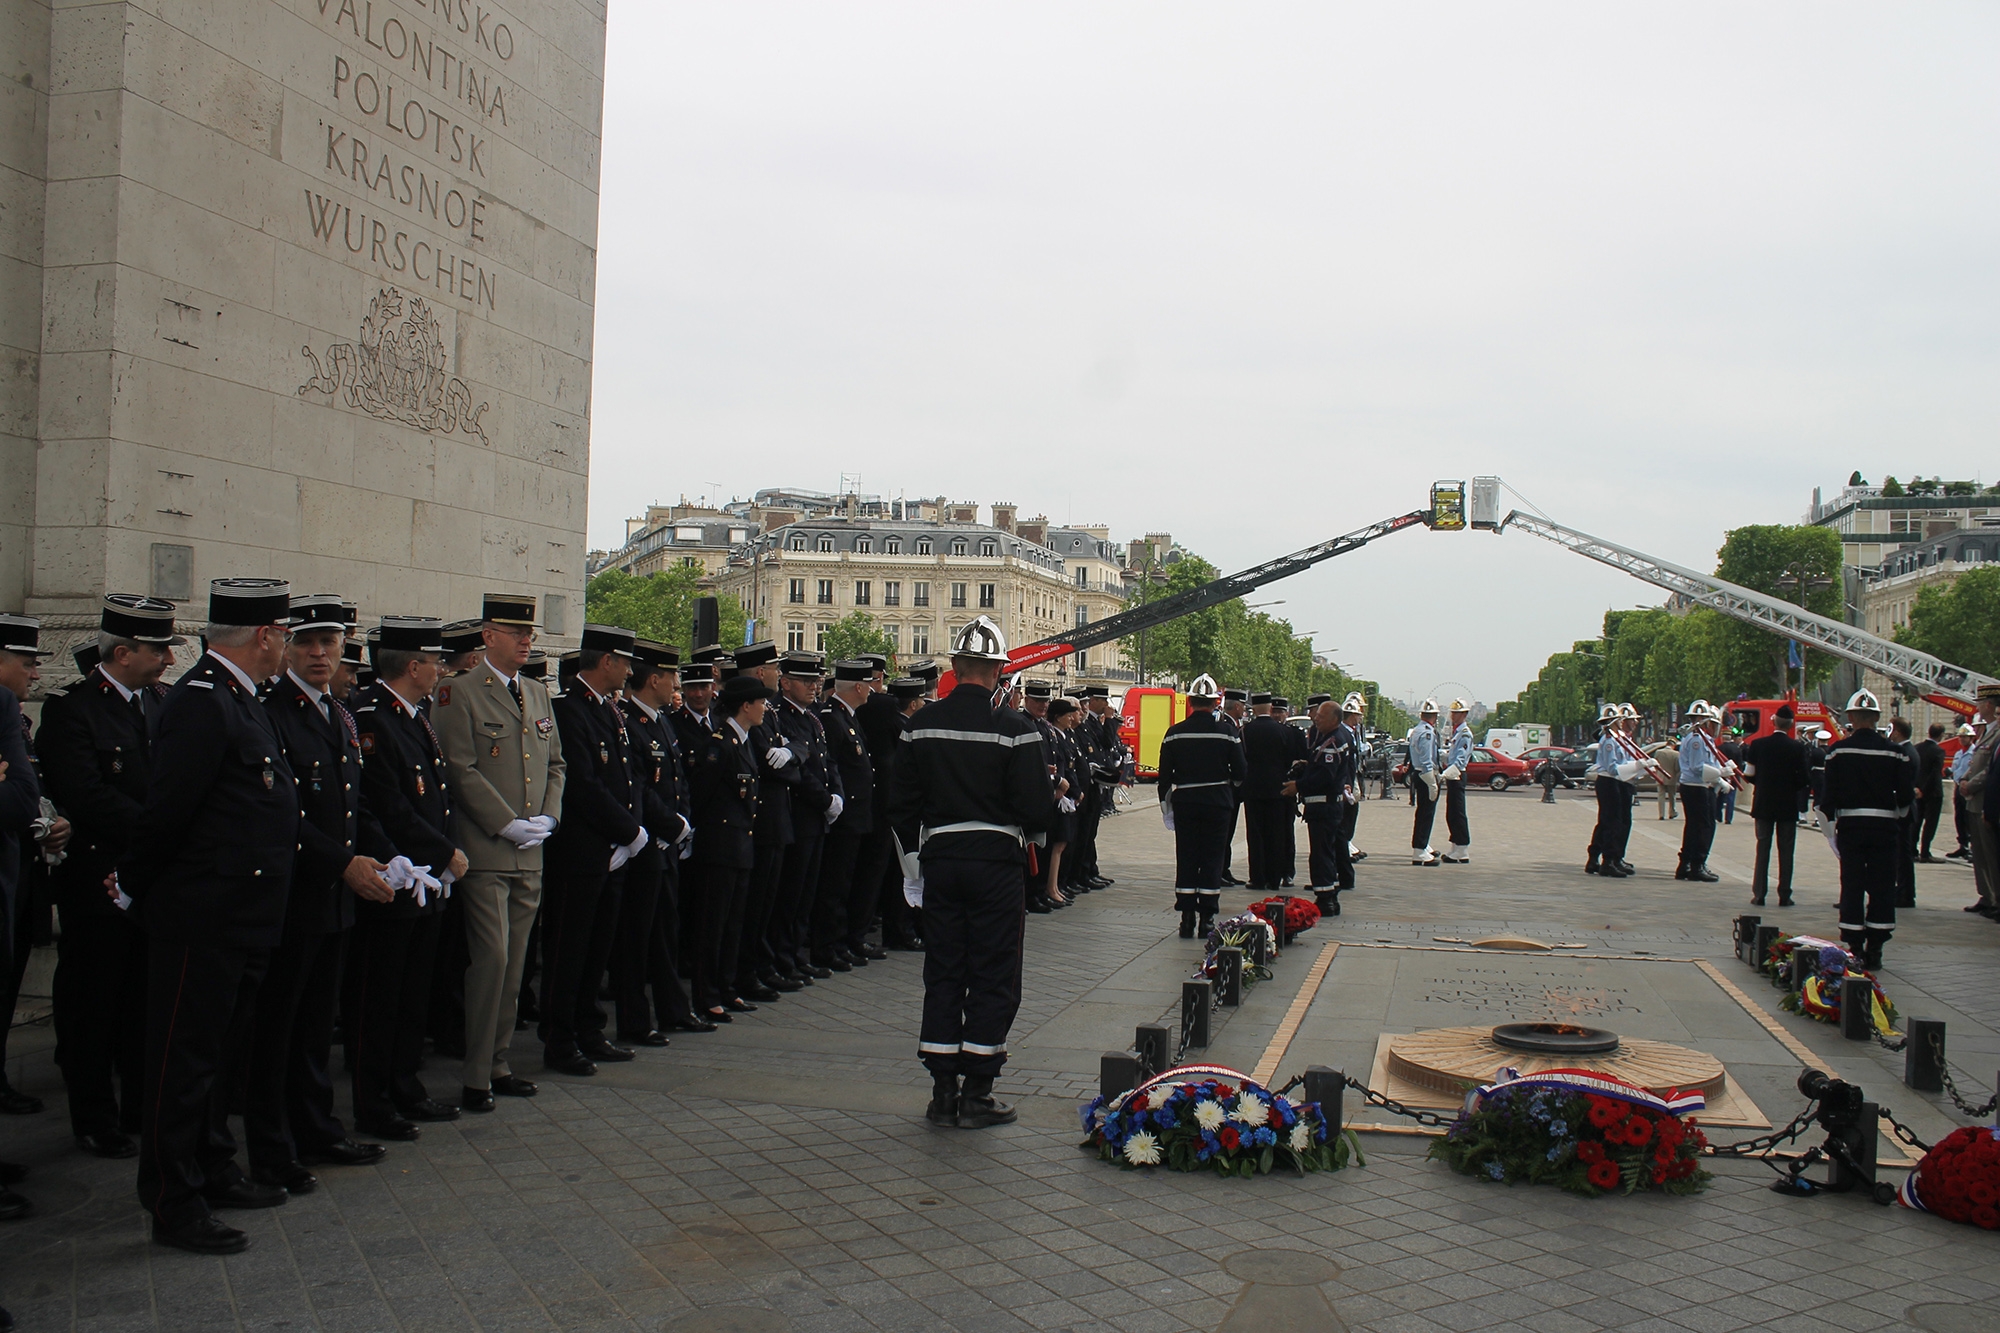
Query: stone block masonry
315,281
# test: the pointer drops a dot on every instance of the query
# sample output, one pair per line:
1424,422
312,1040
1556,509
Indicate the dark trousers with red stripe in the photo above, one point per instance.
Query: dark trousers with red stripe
200,1003
389,969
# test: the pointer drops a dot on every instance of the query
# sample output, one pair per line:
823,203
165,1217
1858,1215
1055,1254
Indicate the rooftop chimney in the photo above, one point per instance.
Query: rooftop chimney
1003,517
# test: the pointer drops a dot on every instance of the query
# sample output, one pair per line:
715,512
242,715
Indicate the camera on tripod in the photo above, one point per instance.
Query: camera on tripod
1849,1119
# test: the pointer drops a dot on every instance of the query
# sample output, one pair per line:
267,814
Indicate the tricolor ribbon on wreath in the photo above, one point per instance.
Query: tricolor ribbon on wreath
1676,1103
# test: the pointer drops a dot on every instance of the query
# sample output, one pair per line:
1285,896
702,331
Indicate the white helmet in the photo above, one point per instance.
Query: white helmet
1864,701
1606,712
1700,708
1627,710
981,639
1965,729
1204,687
1460,706
1354,703
1428,708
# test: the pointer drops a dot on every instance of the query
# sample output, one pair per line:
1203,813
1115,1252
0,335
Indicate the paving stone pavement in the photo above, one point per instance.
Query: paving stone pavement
778,1175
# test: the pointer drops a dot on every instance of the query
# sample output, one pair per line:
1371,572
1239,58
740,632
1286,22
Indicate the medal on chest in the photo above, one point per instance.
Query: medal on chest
270,779
496,750
420,784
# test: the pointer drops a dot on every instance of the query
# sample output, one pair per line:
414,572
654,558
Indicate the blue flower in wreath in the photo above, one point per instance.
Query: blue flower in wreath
1165,1118
1265,1138
1090,1113
1495,1170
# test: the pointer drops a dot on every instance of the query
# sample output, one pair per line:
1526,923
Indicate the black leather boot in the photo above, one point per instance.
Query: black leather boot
1187,924
943,1109
976,1107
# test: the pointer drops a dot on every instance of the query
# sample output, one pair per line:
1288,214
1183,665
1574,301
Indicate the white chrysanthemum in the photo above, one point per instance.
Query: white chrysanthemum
1208,1114
1142,1149
1250,1109
1302,1137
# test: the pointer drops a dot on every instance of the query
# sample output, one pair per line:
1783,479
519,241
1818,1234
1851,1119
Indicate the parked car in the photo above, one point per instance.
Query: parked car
1489,768
1573,765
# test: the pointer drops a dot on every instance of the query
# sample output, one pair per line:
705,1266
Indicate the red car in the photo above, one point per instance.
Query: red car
1489,768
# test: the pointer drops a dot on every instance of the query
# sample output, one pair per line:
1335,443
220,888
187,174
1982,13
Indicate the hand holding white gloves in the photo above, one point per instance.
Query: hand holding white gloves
778,756
913,891
546,823
1452,774
837,804
631,849
1066,805
523,834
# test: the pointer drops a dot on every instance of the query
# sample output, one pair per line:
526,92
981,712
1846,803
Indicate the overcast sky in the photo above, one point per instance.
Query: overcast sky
1256,275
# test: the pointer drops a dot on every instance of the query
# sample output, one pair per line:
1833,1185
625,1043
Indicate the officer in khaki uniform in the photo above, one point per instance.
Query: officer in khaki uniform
499,737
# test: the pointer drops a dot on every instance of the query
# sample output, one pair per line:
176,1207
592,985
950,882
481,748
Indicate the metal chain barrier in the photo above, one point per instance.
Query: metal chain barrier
1899,1044
1965,1108
1394,1107
1902,1132
1765,1143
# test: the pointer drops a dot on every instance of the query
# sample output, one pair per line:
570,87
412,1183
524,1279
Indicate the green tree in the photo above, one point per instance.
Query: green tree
1854,478
1961,488
1891,488
1960,624
857,632
659,606
1751,658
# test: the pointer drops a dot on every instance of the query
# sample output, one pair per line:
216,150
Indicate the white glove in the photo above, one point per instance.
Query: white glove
546,823
1430,784
638,844
119,896
1711,776
687,829
523,834
1167,812
913,892
399,874
833,810
1066,805
687,850
1348,796
445,880
1627,771
778,756
1452,774
619,856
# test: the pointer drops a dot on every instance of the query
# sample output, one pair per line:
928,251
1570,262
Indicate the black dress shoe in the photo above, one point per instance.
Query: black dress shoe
1756,900
1040,906
606,1053
1704,876
1927,859
832,965
906,944
695,1024
761,993
344,1152
1626,866
12,1173
1590,866
783,985
13,1206
573,1063
206,1234
1784,900
736,1004
816,972
396,1129
650,1037
291,1177
717,1015
802,976
873,953
513,1085
428,1111
853,959
243,1192
113,1146
477,1100
18,1103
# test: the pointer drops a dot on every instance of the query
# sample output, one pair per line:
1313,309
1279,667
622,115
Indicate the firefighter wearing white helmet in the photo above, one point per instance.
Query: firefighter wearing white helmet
1870,784
968,795
1201,765
1703,771
1424,782
1614,798
1353,712
1458,757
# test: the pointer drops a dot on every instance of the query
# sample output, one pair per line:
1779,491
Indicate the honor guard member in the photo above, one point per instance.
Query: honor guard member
1062,718
499,738
1270,747
1201,768
803,750
96,758
393,951
207,871
1353,712
1870,785
725,793
877,879
775,832
1233,715
648,944
583,865
845,907
971,790
1097,742
1457,758
1702,772
1327,782
464,641
288,1118
1424,783
693,722
1609,763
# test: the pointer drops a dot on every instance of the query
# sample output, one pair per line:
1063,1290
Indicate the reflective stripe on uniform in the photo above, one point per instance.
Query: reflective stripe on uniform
983,737
974,1048
937,1048
1190,786
1871,814
975,826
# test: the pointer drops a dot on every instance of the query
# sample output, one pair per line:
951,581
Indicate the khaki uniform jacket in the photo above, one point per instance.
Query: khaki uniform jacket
506,763
1979,769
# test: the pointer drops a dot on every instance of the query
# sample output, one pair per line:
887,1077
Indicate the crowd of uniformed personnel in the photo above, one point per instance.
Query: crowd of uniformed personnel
407,843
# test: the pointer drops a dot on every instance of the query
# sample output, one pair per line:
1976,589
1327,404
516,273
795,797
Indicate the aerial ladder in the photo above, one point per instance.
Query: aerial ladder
1454,509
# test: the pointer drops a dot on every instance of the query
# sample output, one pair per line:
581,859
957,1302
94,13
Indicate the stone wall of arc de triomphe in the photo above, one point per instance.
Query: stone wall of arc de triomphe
297,288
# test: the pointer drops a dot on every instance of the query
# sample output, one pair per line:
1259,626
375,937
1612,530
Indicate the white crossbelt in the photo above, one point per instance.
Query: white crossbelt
1312,800
975,826
1872,814
1190,786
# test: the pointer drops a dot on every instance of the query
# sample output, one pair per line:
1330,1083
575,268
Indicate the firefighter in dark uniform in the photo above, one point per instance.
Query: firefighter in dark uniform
804,753
1201,768
96,758
1101,728
694,721
725,795
901,923
841,911
288,1118
584,863
394,947
207,870
1083,737
877,879
971,790
1270,747
463,642
1326,782
648,942
1870,784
